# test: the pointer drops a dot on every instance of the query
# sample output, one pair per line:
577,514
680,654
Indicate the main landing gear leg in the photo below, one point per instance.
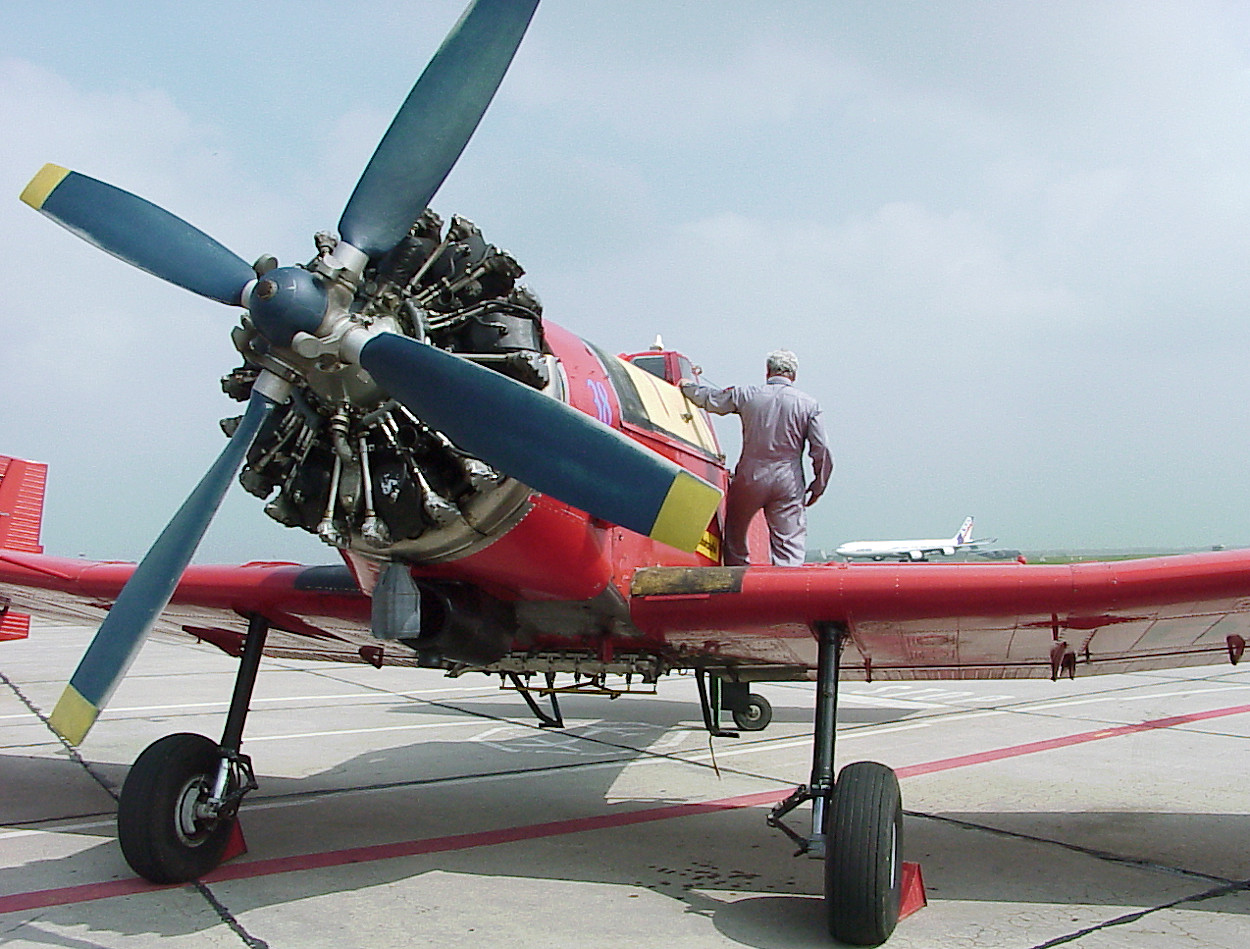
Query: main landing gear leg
857,822
178,804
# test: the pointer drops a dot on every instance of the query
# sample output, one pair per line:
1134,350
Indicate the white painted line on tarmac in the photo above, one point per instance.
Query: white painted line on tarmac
416,726
62,829
1069,703
583,731
373,696
671,740
494,729
527,775
932,693
866,731
894,701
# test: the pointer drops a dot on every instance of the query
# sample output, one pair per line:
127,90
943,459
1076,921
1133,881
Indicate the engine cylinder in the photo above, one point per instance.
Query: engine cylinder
345,461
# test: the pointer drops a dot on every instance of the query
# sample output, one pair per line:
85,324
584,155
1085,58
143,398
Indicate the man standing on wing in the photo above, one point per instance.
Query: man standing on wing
777,419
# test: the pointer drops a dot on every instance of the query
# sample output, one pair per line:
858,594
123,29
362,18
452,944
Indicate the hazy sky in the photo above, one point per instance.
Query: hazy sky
1009,241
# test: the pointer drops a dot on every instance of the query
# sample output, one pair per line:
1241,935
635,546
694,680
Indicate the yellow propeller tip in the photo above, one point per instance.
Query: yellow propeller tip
43,184
73,716
686,511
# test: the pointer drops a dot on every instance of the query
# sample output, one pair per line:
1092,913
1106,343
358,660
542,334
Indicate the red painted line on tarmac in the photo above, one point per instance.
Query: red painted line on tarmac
336,858
488,838
38,899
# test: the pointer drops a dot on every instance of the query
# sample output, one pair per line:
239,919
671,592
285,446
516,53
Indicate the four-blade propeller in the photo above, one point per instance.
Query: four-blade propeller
524,433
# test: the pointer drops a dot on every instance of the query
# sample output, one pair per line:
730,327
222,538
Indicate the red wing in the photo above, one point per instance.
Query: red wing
961,620
315,612
906,620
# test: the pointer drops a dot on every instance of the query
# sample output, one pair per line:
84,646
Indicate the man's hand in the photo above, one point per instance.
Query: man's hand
811,495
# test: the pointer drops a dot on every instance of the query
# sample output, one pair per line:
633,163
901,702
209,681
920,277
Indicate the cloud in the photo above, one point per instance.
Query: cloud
1008,241
114,371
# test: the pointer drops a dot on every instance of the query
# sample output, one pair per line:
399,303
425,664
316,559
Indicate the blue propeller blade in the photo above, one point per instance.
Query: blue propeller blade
139,232
543,442
150,587
434,124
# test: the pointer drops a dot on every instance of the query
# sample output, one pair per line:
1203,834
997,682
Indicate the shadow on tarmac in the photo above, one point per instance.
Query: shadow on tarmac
662,712
726,866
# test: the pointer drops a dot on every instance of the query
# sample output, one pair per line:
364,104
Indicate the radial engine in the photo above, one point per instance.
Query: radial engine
345,461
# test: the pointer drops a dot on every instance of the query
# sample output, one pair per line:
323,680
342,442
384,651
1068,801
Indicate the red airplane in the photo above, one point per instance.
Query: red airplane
510,500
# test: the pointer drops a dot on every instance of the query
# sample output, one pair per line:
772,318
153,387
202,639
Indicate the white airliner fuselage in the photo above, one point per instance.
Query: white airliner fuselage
911,549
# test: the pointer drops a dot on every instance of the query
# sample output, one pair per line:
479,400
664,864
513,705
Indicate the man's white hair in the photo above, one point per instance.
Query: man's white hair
783,361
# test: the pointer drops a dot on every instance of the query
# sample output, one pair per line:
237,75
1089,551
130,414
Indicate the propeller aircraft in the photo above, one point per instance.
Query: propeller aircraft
511,500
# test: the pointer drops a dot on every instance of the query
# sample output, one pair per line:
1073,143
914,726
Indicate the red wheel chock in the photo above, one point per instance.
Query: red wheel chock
913,897
236,846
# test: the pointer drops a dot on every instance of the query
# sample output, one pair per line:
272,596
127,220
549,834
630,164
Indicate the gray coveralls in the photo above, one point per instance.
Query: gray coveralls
777,419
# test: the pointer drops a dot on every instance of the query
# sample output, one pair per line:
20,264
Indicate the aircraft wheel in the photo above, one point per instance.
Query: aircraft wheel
864,854
162,837
756,716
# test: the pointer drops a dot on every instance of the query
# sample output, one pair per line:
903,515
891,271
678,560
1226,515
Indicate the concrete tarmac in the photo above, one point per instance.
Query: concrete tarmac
404,808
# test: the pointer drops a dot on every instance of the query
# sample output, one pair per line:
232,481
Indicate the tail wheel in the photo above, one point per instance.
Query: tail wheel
756,716
864,854
164,833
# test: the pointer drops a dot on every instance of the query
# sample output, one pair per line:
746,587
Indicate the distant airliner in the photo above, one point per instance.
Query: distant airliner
912,549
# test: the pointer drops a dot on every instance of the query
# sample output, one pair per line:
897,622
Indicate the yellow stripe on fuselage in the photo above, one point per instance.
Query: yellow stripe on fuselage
73,716
685,513
43,184
709,547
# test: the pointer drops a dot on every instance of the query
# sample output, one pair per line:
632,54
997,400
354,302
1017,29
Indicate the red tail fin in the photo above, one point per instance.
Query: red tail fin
21,514
21,503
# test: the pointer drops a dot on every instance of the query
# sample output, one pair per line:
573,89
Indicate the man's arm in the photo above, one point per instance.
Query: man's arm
821,457
716,401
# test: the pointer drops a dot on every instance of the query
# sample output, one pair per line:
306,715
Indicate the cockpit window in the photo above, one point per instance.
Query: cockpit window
650,403
652,364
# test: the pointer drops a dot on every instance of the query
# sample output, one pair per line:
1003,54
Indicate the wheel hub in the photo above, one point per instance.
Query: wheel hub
193,817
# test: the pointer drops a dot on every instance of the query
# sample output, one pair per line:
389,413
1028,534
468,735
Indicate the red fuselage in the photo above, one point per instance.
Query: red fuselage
558,552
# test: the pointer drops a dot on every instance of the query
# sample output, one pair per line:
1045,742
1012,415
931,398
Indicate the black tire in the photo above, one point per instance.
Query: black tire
864,854
161,838
756,716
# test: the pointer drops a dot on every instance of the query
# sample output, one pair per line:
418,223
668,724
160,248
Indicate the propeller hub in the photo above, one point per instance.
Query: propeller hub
286,301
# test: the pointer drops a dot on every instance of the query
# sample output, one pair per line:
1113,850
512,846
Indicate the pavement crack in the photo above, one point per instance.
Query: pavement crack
229,918
73,752
1104,855
1213,893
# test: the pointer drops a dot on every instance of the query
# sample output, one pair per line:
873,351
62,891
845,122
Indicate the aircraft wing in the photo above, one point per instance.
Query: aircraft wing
917,621
314,612
906,621
979,543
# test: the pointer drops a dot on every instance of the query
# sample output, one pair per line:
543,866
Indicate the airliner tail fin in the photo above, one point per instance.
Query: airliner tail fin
965,532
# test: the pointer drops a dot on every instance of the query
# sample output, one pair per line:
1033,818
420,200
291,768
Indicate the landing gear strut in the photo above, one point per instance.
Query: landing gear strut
179,801
857,822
